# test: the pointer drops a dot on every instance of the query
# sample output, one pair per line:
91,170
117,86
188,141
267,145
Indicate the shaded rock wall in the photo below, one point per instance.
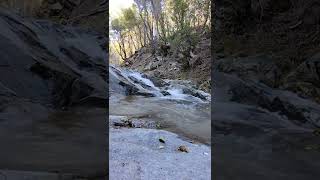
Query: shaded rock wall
53,97
284,31
47,62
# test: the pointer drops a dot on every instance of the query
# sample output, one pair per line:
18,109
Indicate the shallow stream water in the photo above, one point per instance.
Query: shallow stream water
181,113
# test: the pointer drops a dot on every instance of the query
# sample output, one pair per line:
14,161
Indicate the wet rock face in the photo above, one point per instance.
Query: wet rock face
120,84
50,63
156,81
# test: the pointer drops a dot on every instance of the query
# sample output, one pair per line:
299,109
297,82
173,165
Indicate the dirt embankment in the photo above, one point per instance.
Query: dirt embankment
175,63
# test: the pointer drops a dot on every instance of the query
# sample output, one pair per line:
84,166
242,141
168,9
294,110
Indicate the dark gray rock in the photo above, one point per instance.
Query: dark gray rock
46,67
158,82
259,128
303,112
50,63
194,93
165,93
142,123
123,121
257,68
120,84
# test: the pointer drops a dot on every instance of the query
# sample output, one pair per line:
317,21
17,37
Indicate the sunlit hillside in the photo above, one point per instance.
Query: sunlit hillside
138,24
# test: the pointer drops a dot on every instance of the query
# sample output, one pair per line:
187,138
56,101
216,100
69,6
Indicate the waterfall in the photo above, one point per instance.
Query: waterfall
174,89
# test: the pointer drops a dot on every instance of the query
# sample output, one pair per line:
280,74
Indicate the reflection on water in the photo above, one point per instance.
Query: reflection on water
59,123
66,120
189,119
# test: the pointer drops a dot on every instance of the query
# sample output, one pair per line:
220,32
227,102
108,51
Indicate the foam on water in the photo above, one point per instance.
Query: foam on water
177,94
175,91
146,81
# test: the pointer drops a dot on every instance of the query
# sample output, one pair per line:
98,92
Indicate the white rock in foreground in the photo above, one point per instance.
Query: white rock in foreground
136,154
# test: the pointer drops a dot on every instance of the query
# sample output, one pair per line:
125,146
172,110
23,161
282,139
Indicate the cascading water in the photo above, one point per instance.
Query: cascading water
175,90
176,105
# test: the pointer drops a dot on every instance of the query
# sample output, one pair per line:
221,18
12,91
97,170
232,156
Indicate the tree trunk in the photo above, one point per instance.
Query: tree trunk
140,37
134,45
120,50
123,46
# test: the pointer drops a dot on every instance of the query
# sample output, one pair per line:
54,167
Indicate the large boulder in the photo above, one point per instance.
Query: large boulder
50,63
296,110
122,82
256,128
53,97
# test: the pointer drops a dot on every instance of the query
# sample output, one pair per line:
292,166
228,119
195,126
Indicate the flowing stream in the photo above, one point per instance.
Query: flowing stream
176,105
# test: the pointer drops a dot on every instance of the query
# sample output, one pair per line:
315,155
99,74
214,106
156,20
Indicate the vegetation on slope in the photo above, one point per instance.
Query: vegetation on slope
158,24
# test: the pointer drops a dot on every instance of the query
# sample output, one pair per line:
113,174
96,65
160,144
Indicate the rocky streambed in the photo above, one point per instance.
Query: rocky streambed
262,128
159,129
